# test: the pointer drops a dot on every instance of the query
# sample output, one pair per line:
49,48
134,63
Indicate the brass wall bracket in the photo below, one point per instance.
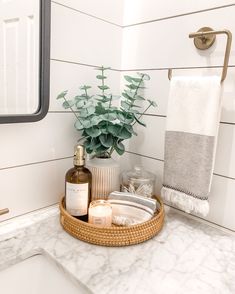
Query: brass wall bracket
203,42
204,39
3,211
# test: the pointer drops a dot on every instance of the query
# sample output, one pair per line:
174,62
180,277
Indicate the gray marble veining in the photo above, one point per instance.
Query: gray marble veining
187,256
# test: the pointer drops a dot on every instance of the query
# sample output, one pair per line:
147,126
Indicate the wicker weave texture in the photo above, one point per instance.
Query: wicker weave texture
115,235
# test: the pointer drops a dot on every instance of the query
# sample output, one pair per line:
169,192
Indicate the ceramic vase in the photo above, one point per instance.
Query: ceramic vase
105,177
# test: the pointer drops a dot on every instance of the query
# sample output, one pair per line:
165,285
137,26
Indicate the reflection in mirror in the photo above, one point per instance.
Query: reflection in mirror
24,52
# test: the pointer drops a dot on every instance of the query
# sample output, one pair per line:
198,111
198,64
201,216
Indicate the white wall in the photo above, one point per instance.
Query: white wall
35,156
155,38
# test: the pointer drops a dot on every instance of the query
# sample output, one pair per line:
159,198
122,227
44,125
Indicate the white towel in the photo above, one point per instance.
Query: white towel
190,141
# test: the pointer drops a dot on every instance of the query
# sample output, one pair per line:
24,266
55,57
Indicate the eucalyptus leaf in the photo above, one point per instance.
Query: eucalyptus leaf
114,129
87,123
103,87
97,143
130,93
106,140
146,77
85,87
103,100
136,80
104,130
132,86
80,97
80,104
125,95
128,79
87,111
109,116
134,111
62,94
124,133
136,106
78,125
68,104
121,117
99,109
125,105
83,113
101,77
87,143
93,132
130,129
92,143
119,147
138,97
95,120
89,150
101,149
88,105
127,119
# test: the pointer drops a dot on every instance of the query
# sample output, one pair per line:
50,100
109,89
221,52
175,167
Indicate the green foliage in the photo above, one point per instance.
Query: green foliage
104,126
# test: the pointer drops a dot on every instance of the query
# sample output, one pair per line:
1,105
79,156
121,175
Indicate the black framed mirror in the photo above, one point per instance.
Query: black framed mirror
24,60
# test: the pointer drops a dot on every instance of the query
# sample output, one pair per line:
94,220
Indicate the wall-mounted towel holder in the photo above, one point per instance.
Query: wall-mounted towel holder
204,39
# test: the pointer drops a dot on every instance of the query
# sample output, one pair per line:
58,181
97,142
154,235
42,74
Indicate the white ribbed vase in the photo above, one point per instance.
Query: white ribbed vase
105,176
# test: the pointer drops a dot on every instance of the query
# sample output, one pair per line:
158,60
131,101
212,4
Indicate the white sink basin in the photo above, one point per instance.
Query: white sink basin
37,275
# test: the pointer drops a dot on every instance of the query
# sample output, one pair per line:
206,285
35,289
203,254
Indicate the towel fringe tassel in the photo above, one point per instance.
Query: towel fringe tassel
185,202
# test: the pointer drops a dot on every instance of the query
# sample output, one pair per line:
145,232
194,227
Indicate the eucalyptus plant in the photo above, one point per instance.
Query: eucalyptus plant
103,125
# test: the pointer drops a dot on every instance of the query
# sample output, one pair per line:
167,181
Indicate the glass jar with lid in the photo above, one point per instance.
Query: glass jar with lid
138,181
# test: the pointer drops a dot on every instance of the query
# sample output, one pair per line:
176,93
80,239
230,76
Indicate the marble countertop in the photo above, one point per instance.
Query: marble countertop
187,256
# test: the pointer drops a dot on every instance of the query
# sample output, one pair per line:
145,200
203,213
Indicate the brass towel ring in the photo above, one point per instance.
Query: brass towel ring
3,211
204,39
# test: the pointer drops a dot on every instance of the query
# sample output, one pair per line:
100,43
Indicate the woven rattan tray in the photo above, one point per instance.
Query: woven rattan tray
115,235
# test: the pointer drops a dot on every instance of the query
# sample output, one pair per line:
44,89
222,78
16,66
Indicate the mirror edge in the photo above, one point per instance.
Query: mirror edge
44,70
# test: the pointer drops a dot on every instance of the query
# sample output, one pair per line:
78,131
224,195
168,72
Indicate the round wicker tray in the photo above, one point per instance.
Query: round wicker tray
115,235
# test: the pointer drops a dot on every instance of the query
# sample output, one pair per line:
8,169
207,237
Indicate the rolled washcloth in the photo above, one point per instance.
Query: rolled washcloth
190,141
129,209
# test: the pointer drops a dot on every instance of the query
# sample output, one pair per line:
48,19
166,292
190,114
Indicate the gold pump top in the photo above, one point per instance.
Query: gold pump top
79,155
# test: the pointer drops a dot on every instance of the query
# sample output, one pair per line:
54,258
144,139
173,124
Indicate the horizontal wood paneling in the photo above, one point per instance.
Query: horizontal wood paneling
28,188
148,10
109,10
166,43
80,38
51,138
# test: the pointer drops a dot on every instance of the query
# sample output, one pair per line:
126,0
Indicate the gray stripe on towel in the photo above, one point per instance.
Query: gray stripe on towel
188,163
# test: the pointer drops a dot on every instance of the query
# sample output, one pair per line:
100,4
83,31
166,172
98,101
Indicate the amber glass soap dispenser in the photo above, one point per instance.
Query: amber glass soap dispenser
78,186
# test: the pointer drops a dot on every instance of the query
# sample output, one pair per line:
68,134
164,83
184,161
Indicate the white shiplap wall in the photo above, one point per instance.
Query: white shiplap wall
35,156
127,35
155,38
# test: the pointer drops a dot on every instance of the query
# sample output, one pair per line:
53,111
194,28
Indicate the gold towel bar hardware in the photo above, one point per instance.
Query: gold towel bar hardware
3,211
204,39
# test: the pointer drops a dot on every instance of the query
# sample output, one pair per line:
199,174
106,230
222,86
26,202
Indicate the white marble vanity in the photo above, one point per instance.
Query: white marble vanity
186,257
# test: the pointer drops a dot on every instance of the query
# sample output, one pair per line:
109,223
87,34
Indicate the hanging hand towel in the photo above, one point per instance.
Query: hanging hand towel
191,131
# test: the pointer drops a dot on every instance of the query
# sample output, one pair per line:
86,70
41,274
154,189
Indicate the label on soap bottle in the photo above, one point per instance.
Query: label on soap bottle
77,199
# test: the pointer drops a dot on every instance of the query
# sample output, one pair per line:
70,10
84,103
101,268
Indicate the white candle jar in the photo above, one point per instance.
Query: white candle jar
100,213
